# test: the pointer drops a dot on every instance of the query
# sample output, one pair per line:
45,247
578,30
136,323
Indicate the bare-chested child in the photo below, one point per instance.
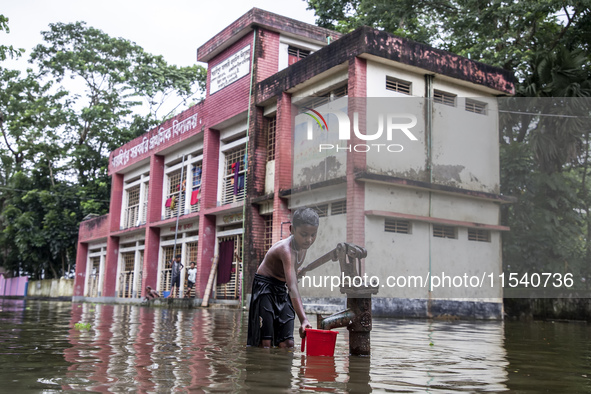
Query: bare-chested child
275,296
151,294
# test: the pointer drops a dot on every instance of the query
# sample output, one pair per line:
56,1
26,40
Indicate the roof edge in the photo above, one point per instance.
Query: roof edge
258,17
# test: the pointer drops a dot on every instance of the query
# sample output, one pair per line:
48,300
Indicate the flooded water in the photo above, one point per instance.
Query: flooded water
48,347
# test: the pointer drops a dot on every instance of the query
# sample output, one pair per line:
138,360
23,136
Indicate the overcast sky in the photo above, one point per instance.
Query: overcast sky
174,29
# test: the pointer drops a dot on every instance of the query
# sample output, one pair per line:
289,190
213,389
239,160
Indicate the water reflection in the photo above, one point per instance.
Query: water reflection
148,350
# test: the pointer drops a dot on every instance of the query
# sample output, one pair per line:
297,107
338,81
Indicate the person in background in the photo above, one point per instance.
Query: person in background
191,276
151,294
176,275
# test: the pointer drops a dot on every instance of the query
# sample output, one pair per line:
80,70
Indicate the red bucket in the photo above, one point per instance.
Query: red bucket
320,342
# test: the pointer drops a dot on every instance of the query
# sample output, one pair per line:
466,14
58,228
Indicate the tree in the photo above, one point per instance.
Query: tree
544,158
7,51
58,127
116,74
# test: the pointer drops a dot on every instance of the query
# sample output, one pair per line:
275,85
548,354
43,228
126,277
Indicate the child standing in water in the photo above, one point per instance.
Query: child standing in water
275,296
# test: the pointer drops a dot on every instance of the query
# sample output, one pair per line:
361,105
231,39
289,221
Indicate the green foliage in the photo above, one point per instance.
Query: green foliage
56,136
544,159
8,51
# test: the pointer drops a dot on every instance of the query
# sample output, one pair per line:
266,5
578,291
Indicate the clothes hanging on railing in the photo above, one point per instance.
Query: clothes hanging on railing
236,169
226,258
195,197
196,177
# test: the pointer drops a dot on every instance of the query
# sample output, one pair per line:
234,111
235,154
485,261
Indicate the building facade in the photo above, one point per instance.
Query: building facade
218,181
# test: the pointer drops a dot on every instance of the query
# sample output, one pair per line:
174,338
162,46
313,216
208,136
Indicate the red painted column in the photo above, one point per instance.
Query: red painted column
283,166
152,241
81,265
356,161
209,175
112,257
209,190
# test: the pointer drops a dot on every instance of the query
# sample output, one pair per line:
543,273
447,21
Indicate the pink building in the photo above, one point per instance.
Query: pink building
222,177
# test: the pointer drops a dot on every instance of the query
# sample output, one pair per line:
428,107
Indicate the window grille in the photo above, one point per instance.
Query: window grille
234,181
322,210
342,91
295,54
231,290
315,102
93,281
445,98
441,231
140,278
127,275
271,131
477,107
133,207
191,255
397,226
166,271
144,217
398,85
196,186
175,195
338,208
479,235
268,239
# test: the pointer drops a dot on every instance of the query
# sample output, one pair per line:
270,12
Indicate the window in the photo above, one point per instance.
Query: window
338,208
445,98
479,235
190,256
175,197
133,207
317,101
441,231
144,217
127,274
477,107
234,181
230,290
166,271
195,187
398,85
268,239
93,281
271,129
322,210
397,226
294,54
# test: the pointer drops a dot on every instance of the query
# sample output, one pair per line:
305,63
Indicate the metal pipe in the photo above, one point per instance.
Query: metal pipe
339,319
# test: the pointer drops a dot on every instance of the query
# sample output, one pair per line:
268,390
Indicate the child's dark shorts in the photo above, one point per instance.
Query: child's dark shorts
271,315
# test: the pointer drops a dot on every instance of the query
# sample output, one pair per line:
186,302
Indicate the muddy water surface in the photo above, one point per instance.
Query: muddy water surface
50,347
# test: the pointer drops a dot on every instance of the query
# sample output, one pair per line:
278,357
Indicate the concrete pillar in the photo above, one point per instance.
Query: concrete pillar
154,213
205,252
283,166
112,258
356,161
81,266
209,190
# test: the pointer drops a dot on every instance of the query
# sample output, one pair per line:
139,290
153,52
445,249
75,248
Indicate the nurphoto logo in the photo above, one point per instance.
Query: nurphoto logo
391,123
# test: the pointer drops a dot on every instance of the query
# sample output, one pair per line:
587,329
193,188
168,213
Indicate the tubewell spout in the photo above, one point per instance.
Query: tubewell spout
337,320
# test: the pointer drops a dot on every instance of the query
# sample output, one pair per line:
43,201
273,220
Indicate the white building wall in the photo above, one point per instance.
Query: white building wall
466,146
